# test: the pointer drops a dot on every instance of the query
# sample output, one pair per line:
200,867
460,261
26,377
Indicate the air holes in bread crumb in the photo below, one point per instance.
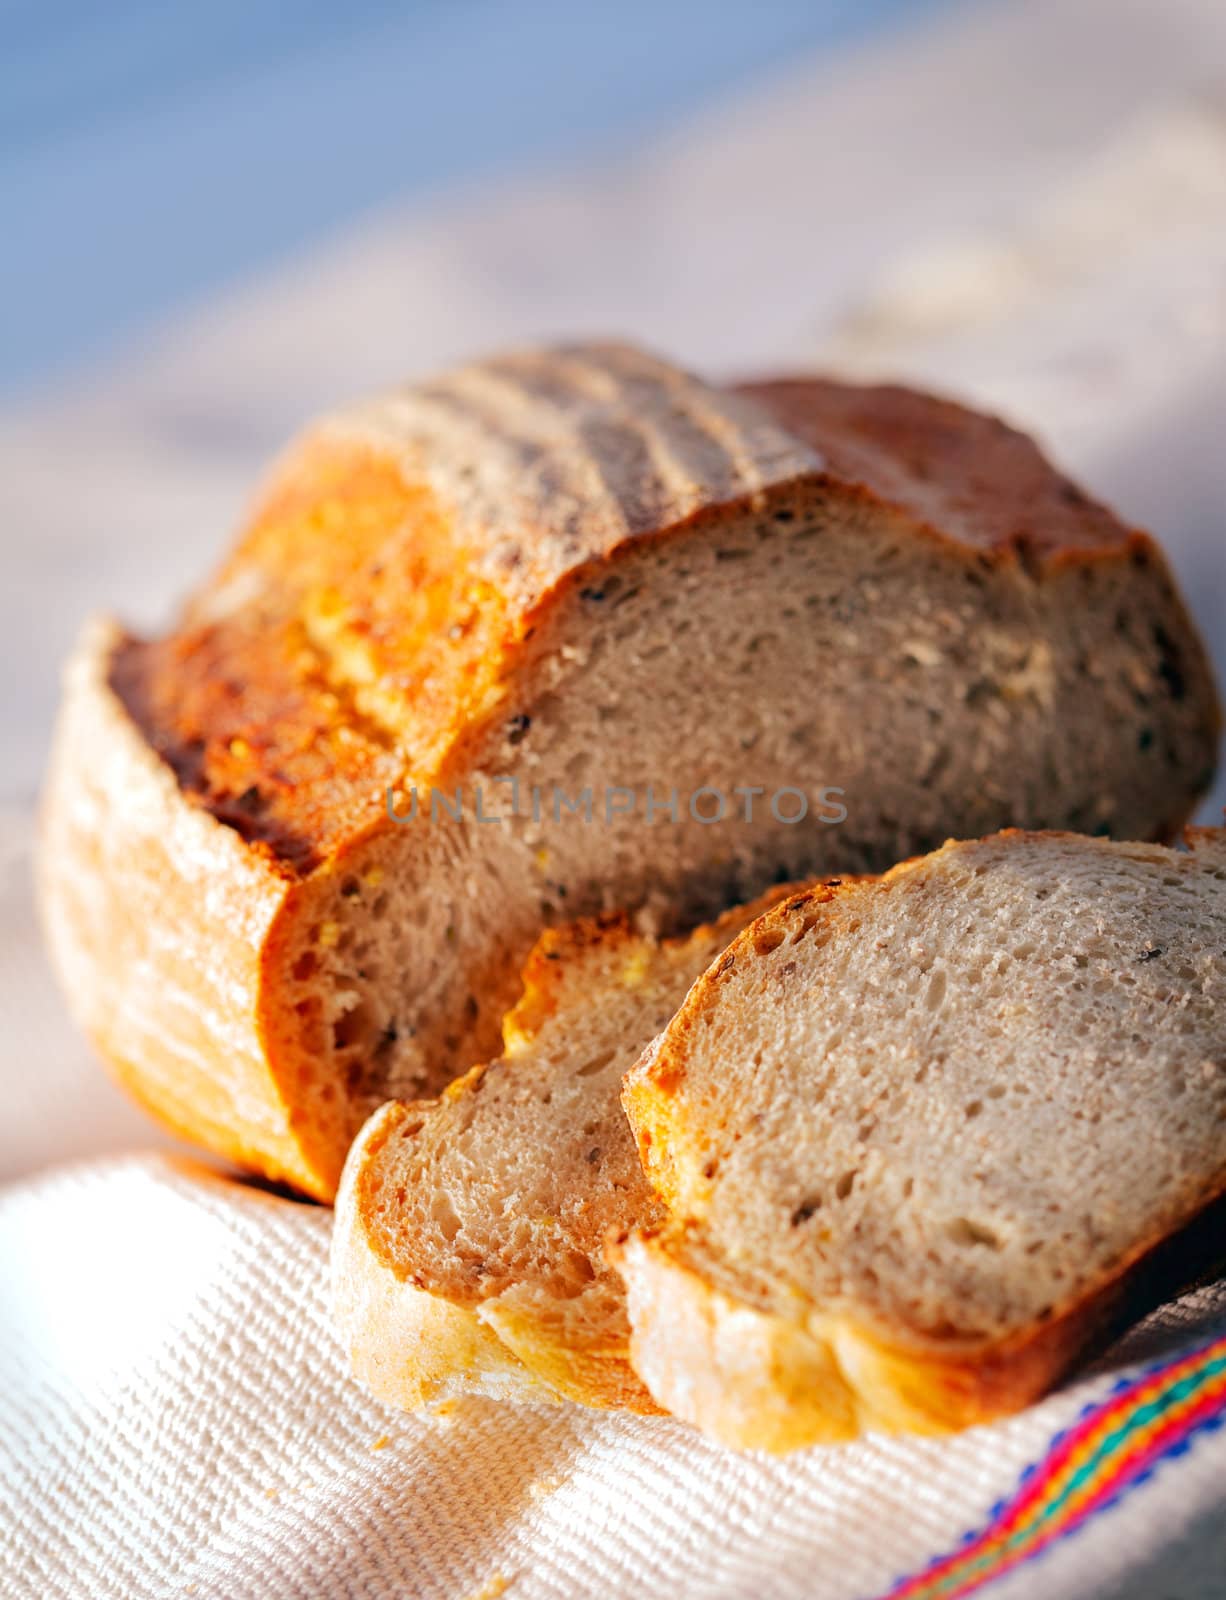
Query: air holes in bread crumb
845,1184
357,1027
589,1069
966,1231
937,985
767,939
577,1273
444,1216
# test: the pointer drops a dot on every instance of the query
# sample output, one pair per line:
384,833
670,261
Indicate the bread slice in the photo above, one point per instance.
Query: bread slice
468,1249
555,574
916,1135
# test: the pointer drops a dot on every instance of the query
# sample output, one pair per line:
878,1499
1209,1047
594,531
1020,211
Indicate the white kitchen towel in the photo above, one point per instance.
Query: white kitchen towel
176,1419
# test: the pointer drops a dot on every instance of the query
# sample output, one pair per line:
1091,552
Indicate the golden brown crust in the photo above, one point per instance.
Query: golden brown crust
759,1381
343,633
133,881
953,469
401,560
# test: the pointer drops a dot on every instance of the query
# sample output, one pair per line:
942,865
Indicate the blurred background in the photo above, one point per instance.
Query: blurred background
219,219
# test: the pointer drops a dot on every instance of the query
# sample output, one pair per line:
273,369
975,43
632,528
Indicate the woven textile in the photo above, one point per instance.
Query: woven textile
176,1418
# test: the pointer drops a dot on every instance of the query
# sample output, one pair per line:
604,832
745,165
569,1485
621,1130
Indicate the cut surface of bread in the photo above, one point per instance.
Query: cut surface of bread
469,1244
914,1135
555,575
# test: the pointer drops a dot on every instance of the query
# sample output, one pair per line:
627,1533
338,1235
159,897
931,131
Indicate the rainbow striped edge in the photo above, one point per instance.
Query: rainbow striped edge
1114,1445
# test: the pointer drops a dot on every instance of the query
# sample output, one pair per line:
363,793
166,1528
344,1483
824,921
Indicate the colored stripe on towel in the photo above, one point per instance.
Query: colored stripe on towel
1114,1445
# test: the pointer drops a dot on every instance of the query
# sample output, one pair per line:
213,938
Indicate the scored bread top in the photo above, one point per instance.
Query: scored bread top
395,567
962,472
952,1105
369,625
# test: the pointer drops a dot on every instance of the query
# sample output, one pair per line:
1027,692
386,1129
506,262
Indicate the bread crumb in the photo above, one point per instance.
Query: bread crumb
373,878
329,933
381,1443
541,1488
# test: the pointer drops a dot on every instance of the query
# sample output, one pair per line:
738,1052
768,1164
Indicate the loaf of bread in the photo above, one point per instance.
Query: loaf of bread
468,1252
917,1135
560,633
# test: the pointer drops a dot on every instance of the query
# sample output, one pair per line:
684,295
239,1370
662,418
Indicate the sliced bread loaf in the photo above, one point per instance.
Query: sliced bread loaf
555,575
915,1135
468,1250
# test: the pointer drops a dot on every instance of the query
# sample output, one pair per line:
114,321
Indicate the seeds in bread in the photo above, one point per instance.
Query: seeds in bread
915,1134
469,1238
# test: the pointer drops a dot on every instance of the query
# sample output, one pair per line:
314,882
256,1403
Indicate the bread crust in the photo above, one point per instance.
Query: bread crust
413,1350
159,918
379,623
933,459
757,1379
